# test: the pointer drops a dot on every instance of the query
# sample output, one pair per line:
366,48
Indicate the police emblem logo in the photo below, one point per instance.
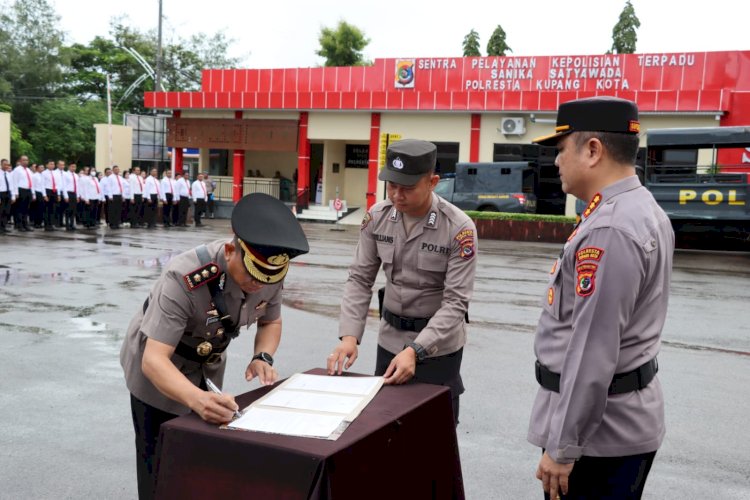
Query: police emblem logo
397,163
278,260
586,279
465,241
366,220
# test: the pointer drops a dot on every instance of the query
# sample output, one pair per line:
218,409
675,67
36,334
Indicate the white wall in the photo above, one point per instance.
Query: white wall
339,126
5,137
122,146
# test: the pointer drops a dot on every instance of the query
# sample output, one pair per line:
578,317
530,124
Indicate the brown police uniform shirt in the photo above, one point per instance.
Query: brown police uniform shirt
603,313
176,312
430,274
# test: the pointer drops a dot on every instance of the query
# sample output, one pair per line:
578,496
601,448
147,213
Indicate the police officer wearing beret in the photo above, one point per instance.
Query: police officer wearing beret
599,410
427,248
178,338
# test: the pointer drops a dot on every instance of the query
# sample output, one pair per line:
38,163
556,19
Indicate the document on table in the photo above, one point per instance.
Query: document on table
317,406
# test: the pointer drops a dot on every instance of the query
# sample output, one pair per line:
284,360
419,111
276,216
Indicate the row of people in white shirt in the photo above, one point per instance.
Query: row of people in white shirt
90,187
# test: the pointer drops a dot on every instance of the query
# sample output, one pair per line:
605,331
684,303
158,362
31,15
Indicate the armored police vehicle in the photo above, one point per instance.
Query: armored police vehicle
698,178
493,187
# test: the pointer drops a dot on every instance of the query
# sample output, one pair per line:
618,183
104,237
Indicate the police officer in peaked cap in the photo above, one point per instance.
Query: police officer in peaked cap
427,249
599,410
179,337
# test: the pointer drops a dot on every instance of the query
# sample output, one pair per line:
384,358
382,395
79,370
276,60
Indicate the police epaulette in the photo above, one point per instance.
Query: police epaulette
202,275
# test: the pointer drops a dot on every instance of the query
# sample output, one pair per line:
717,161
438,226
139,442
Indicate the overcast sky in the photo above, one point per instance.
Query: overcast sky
284,33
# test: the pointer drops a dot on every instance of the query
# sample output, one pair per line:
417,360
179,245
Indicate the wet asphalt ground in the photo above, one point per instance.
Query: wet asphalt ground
66,300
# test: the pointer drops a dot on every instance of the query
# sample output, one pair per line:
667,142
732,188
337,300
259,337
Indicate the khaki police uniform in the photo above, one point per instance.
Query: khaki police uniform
181,310
600,403
430,274
603,313
198,307
429,271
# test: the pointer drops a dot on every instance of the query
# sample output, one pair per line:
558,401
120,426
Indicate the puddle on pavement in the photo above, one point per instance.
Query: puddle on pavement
88,325
13,277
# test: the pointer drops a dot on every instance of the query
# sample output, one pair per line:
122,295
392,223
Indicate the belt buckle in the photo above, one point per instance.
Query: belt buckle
214,357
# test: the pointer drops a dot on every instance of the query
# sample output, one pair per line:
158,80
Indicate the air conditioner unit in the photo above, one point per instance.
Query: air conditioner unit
513,126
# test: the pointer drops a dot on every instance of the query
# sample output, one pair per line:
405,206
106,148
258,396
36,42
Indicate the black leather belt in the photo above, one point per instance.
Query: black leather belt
191,352
621,383
402,323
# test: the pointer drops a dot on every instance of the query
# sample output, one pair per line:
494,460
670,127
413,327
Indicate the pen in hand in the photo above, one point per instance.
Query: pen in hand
212,387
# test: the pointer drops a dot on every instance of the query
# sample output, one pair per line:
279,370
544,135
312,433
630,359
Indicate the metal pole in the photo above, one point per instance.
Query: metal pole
109,118
158,54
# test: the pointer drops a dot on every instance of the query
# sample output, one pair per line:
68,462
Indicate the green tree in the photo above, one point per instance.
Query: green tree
471,44
624,35
30,62
65,129
342,46
182,62
497,46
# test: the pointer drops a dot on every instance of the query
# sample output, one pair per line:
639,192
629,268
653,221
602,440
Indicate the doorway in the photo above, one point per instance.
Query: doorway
316,173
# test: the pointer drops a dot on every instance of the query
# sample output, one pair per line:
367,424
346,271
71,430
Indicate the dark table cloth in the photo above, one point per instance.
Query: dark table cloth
402,445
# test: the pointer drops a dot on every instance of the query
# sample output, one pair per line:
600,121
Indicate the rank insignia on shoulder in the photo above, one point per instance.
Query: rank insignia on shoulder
366,220
201,276
432,219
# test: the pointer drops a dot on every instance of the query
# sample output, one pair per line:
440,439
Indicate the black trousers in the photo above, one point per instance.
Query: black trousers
135,210
200,209
610,478
36,210
440,370
5,207
49,209
147,421
71,211
182,210
21,209
114,206
166,210
150,210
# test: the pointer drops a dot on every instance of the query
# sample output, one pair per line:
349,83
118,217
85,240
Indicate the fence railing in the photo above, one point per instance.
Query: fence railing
224,189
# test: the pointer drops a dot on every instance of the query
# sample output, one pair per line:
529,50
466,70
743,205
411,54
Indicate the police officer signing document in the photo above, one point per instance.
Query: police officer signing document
427,248
599,411
178,338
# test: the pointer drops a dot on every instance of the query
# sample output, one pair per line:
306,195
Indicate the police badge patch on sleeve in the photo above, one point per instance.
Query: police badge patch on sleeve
366,220
465,241
586,279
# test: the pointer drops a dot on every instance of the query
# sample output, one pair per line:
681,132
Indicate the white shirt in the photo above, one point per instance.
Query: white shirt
183,188
127,188
49,176
58,180
199,191
70,183
167,186
136,184
97,186
11,184
116,185
151,187
38,182
22,176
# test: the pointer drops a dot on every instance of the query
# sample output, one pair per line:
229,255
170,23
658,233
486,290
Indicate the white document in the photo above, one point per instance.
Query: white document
300,400
327,383
319,406
278,421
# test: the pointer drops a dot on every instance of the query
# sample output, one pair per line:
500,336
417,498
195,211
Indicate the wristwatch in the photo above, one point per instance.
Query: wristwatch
263,356
421,353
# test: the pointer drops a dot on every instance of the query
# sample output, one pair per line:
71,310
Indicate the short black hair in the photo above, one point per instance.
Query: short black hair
623,148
